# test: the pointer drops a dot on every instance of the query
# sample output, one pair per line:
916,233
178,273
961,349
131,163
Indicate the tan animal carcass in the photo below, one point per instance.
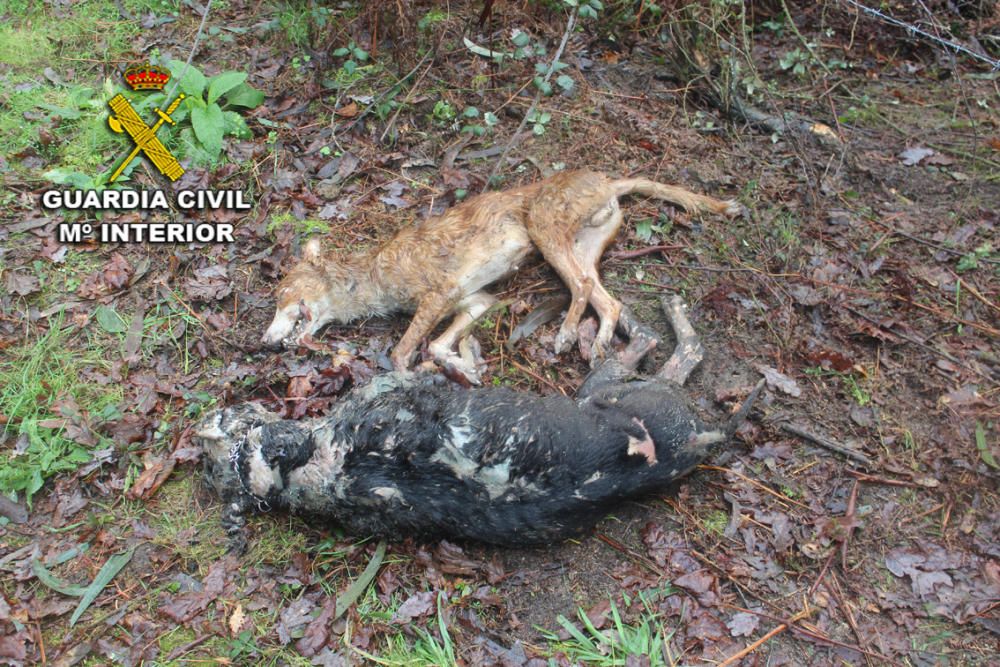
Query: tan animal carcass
441,265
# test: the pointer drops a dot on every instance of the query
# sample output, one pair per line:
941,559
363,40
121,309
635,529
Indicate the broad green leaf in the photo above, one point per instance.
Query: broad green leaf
520,38
564,81
644,229
109,320
341,52
244,95
471,112
221,84
209,125
361,54
69,177
193,82
111,567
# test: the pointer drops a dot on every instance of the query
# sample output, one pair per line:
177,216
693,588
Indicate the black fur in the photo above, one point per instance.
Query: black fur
408,455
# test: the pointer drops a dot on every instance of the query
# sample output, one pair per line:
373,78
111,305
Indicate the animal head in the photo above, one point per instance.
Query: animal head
315,292
223,435
248,452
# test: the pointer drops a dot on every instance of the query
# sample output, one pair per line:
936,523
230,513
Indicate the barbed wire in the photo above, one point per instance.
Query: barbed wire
912,29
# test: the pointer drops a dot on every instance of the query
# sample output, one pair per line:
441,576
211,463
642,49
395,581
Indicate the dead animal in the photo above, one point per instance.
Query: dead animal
410,454
440,266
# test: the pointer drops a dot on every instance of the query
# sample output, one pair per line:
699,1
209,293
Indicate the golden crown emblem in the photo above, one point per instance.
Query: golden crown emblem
146,77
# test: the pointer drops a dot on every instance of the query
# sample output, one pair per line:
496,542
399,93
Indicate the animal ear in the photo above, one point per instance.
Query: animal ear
311,250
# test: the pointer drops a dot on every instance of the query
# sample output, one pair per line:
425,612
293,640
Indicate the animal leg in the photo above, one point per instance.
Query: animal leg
689,352
588,247
558,252
431,310
443,347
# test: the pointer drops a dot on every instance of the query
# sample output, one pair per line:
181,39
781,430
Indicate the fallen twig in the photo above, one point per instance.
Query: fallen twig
736,657
641,252
848,521
827,443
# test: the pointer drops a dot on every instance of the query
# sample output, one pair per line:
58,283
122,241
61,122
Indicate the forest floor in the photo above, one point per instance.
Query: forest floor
864,284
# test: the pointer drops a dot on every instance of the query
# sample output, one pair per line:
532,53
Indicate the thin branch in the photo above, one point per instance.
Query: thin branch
570,23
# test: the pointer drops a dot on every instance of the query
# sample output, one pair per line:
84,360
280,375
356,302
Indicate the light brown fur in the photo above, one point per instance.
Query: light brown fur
440,266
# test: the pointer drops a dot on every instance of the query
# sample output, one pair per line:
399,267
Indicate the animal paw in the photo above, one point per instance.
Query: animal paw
735,209
564,340
456,364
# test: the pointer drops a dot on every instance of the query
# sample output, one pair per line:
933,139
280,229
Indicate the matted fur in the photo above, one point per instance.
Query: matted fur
441,266
410,454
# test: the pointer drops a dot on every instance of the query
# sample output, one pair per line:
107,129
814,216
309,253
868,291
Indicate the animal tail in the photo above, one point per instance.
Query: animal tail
691,201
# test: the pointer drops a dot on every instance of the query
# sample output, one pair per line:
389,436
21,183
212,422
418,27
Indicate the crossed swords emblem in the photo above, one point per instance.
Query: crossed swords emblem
144,136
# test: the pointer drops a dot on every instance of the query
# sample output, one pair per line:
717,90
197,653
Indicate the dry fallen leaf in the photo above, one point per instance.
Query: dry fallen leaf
236,620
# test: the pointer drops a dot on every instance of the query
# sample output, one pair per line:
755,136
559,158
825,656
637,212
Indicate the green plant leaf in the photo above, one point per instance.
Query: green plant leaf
490,119
471,112
361,54
538,129
244,95
341,52
111,567
110,320
54,582
565,81
984,449
209,125
354,591
236,125
644,230
69,177
193,82
520,38
221,84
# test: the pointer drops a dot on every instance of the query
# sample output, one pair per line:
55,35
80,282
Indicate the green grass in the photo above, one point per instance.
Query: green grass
427,650
73,45
36,379
647,636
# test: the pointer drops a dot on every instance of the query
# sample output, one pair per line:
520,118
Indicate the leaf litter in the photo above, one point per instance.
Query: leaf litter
875,307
